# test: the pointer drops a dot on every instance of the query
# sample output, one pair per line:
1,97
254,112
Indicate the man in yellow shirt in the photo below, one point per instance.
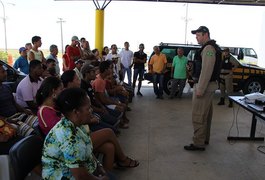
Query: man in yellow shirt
157,66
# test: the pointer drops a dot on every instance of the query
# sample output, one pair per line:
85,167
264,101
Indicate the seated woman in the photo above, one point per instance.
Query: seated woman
67,151
71,80
46,95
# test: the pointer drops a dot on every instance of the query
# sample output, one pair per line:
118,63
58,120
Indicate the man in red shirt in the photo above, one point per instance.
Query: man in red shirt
74,52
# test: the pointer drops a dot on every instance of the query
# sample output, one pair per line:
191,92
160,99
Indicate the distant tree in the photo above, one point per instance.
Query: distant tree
3,56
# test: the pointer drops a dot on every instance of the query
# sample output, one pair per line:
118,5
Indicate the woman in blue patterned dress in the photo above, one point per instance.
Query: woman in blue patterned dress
68,149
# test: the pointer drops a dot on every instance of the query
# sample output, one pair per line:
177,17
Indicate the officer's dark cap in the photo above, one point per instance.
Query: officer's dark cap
202,29
226,49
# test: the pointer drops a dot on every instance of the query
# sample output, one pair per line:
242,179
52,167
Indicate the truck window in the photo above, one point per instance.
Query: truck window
191,54
245,55
170,54
250,52
240,55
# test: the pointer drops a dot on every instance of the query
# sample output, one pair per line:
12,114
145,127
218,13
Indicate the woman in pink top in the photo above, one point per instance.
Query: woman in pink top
48,116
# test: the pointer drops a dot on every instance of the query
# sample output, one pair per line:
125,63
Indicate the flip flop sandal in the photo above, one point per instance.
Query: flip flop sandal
124,126
132,163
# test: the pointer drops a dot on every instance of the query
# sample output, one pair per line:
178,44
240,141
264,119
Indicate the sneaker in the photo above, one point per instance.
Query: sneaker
128,108
221,103
139,93
117,132
159,97
192,147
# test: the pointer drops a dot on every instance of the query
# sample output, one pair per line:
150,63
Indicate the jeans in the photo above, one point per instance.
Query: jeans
129,75
140,72
177,85
158,79
108,118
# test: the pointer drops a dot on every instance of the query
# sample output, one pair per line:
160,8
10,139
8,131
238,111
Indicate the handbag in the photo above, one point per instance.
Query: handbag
100,171
24,123
7,129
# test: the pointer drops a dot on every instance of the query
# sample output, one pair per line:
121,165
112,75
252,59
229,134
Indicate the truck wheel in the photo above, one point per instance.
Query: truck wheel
167,85
253,85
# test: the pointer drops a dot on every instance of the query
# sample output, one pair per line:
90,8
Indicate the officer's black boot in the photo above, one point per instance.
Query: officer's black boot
222,101
230,103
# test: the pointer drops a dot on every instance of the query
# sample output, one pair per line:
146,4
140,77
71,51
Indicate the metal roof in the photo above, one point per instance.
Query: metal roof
223,2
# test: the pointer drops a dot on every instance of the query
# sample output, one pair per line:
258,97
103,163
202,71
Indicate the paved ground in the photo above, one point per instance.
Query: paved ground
160,128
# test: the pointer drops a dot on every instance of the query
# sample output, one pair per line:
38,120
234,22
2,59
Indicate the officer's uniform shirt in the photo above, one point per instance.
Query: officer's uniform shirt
208,61
231,60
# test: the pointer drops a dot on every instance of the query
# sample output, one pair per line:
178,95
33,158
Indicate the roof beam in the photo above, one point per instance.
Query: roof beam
223,2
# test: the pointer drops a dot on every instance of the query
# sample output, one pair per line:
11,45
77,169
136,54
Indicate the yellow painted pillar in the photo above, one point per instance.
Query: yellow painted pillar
99,30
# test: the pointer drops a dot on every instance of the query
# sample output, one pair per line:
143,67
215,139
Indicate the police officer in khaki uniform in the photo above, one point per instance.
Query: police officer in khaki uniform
207,63
226,76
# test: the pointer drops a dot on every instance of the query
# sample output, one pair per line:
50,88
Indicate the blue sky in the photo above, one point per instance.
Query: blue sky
137,22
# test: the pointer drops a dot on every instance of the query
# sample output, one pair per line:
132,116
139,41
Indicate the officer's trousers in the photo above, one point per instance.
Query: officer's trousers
202,111
226,85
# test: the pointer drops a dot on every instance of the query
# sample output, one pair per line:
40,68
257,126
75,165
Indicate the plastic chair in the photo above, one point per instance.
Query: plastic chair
5,167
25,155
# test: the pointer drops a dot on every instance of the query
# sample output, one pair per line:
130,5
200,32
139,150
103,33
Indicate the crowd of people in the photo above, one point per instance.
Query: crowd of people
79,111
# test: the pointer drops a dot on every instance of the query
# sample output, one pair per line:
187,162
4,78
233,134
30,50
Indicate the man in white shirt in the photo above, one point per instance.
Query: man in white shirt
28,87
113,52
117,65
78,65
127,62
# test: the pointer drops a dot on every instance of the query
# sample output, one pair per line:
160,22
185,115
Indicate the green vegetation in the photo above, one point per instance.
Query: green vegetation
3,56
13,54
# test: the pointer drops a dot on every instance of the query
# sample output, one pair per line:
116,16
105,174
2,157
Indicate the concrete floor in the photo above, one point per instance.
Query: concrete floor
160,128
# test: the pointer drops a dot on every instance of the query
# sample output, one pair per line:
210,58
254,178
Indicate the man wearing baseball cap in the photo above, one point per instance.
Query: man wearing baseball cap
21,63
74,52
207,63
202,29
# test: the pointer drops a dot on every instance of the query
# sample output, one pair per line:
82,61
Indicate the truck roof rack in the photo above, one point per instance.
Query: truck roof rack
178,44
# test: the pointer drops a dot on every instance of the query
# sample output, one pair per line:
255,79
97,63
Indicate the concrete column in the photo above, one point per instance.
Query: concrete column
99,30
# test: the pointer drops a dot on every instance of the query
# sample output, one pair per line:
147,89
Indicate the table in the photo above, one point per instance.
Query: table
241,102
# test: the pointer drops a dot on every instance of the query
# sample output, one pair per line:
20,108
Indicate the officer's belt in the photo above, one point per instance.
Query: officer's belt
196,80
224,73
